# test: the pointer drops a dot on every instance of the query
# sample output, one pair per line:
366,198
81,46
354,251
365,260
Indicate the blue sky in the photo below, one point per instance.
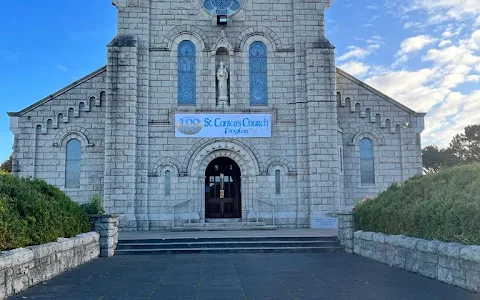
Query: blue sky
424,53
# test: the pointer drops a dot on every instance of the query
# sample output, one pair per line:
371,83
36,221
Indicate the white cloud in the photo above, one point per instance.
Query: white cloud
372,7
435,85
413,88
452,32
61,68
446,9
409,25
354,52
355,68
444,43
415,43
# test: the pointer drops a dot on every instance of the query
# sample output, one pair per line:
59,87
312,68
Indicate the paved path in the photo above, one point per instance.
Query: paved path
243,276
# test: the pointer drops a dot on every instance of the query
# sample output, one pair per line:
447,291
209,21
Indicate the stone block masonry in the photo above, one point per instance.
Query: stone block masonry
346,227
25,267
123,114
448,262
107,227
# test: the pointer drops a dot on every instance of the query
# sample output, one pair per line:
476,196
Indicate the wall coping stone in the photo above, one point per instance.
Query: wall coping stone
470,253
15,257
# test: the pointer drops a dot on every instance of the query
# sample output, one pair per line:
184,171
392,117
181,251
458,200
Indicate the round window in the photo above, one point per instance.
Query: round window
222,7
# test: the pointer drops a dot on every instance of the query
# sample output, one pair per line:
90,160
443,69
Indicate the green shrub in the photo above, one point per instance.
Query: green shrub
94,206
444,206
33,212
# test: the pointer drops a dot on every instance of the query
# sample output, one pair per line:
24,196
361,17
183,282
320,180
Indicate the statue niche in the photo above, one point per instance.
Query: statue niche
222,67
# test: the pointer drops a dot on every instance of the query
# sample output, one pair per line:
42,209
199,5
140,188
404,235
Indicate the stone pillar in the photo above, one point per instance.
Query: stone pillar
201,181
322,128
107,227
316,112
244,199
121,131
346,227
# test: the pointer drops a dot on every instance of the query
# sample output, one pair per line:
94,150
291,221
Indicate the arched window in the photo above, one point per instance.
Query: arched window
186,73
367,169
167,183
277,182
258,74
73,163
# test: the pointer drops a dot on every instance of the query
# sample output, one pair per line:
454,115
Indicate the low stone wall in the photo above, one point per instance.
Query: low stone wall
24,267
448,262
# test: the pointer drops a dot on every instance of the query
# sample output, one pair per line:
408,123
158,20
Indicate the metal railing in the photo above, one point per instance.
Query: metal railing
189,211
274,206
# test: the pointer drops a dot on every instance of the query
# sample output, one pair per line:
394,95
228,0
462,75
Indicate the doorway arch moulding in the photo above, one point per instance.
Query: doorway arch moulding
206,153
206,150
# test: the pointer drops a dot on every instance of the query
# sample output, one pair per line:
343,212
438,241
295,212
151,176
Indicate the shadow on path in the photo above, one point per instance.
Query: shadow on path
323,276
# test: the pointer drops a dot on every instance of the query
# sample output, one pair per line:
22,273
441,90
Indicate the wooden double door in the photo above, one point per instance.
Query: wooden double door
223,189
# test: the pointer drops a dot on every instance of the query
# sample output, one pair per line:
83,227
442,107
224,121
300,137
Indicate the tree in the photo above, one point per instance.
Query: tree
435,159
466,146
7,165
464,149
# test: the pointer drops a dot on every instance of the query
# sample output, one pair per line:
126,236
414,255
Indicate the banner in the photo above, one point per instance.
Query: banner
223,125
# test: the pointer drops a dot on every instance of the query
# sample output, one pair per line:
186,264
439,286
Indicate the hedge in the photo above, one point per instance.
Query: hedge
444,206
33,212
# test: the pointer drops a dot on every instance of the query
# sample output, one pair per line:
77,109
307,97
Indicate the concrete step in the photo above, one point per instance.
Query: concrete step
227,239
221,220
232,244
225,224
219,227
263,244
228,250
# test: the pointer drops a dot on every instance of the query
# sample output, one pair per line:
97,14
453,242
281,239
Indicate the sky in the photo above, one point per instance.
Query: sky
423,53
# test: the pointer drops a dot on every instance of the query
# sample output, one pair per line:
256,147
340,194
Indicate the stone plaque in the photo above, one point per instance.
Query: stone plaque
325,223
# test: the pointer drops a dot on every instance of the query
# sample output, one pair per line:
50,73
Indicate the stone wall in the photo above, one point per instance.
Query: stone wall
394,129
42,131
448,262
107,227
346,227
25,267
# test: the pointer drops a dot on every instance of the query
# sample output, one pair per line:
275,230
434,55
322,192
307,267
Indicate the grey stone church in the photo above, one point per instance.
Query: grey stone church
219,109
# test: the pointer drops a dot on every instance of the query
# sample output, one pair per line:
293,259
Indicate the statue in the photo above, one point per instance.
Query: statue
222,77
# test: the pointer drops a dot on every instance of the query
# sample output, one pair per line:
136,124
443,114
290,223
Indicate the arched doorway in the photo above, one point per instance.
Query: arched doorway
223,189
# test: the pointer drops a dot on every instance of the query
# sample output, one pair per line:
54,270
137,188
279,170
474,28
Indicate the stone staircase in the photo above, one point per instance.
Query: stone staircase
224,225
254,244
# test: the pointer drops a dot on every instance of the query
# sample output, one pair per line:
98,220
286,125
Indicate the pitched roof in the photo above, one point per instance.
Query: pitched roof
380,94
58,93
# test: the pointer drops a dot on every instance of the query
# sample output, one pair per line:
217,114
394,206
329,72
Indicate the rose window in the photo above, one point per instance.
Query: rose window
222,7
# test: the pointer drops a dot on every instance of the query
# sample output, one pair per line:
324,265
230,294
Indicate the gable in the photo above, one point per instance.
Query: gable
370,89
59,93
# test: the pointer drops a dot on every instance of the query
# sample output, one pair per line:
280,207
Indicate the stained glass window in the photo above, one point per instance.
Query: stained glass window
258,74
73,163
367,169
186,73
277,182
222,7
167,183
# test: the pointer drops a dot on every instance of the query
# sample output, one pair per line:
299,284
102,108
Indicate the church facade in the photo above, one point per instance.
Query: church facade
219,109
